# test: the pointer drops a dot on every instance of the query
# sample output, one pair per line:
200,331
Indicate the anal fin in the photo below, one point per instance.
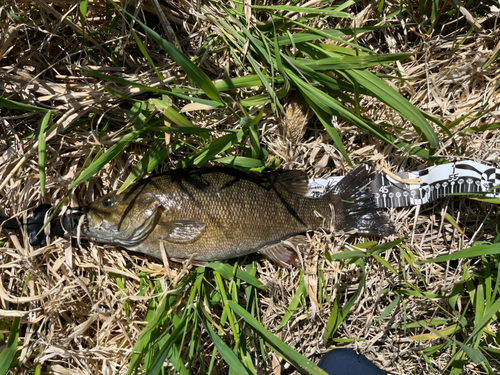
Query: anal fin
285,252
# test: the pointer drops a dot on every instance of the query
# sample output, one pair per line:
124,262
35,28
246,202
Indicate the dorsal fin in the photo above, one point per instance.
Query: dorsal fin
294,181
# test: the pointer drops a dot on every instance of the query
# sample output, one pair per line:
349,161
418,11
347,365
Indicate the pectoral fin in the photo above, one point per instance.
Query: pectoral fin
284,253
183,231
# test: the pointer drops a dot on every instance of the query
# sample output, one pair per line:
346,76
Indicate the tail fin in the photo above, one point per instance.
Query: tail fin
359,207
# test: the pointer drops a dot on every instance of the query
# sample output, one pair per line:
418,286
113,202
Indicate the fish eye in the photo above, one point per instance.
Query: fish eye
108,202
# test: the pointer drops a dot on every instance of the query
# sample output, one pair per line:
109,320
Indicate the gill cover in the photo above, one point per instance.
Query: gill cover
141,232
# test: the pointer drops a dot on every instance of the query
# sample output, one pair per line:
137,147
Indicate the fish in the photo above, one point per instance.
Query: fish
218,213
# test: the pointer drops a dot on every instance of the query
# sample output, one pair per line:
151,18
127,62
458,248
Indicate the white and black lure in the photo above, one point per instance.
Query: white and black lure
464,177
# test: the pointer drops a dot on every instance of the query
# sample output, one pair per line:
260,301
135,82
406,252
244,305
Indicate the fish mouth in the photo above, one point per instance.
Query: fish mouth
98,233
81,222
93,226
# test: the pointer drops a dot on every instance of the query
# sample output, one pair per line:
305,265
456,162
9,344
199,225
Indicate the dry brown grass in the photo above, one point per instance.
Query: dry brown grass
74,316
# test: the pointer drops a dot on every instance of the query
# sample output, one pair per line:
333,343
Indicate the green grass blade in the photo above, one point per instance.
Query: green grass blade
283,349
488,291
155,316
471,252
6,103
256,100
226,271
243,35
263,51
140,115
175,117
241,161
294,304
336,87
226,353
145,53
322,105
352,62
344,311
492,59
486,319
8,354
126,82
487,200
251,80
344,255
216,147
331,12
380,248
389,308
192,71
264,81
84,4
154,156
478,302
327,123
109,155
386,94
482,128
255,142
329,34
277,52
338,50
496,289
171,114
332,321
42,152
474,354
190,130
418,293
17,17
323,101
387,265
167,352
232,319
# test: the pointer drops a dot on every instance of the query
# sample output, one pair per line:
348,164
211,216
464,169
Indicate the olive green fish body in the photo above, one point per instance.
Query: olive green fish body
219,213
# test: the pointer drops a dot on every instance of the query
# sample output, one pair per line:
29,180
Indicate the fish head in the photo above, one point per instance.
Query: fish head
122,219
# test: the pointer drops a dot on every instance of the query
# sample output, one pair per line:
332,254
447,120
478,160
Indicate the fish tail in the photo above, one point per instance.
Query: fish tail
355,206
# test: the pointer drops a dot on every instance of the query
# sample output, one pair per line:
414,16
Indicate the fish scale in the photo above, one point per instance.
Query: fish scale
211,214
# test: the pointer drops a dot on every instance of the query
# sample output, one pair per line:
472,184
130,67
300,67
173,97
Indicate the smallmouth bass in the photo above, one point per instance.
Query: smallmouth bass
209,214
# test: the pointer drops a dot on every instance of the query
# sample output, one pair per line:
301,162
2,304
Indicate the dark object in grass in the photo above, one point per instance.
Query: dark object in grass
35,224
212,214
347,362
